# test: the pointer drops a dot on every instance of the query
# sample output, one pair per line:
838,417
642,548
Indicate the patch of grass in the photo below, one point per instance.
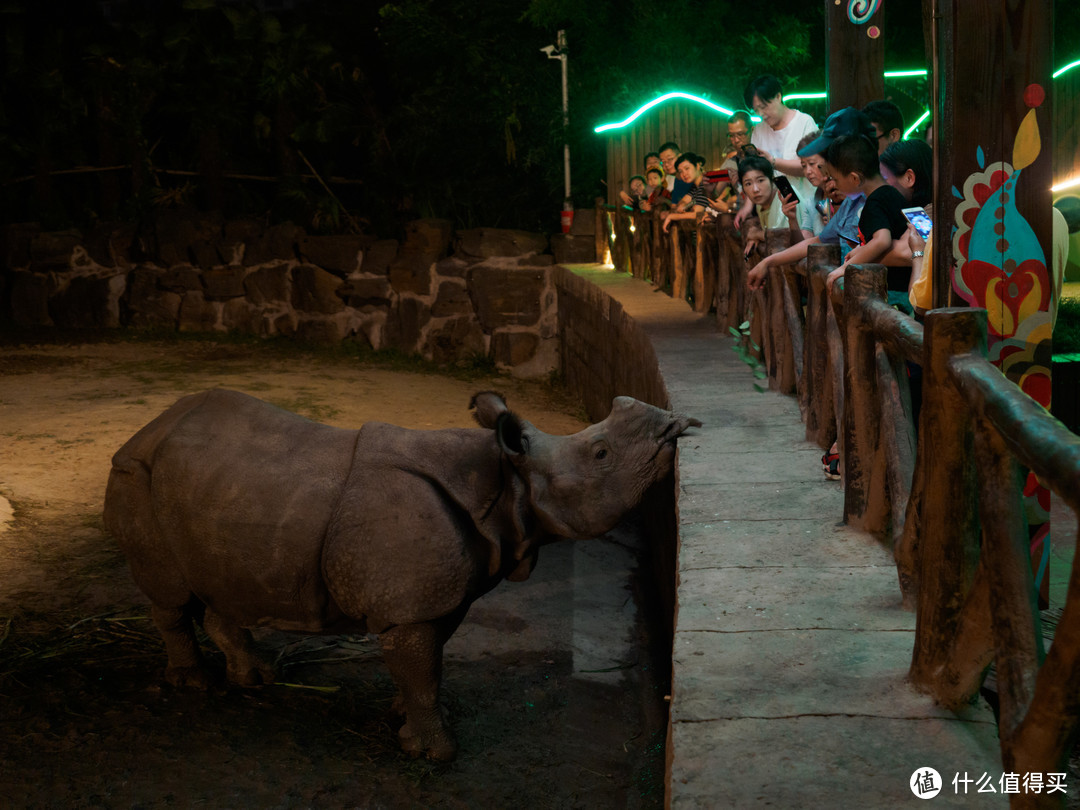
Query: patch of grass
1067,328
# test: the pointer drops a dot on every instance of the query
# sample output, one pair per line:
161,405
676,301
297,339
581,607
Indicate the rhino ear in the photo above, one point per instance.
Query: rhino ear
510,433
487,406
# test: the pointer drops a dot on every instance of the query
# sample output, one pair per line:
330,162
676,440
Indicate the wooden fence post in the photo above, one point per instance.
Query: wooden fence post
707,264
780,354
661,256
866,496
678,271
946,558
620,244
601,234
795,320
817,381
897,434
1014,609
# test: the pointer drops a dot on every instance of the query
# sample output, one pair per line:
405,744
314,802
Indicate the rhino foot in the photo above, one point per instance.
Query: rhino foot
438,746
194,677
258,674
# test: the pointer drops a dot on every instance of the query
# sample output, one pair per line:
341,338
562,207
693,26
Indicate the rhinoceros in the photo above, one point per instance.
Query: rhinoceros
238,514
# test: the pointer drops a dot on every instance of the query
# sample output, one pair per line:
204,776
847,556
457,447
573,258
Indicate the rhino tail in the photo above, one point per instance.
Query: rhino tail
127,511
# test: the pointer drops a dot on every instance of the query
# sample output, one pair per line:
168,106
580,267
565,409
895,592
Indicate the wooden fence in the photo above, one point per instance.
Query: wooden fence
947,495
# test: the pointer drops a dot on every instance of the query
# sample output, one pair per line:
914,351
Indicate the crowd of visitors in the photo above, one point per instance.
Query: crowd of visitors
855,183
844,184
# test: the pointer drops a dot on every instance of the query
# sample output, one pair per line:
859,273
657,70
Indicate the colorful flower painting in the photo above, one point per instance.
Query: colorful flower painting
1001,267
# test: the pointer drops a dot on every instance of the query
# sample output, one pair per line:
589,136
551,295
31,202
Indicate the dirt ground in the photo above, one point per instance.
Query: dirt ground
553,692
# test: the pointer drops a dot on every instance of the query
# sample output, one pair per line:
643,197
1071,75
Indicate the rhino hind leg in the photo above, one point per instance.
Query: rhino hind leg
413,654
242,665
185,661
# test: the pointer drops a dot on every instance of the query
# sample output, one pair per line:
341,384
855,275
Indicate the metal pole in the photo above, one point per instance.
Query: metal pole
561,44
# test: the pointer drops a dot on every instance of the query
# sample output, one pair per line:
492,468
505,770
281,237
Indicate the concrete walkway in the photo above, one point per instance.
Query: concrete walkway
791,647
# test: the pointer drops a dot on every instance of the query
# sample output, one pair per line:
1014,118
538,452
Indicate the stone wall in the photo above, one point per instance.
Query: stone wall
605,354
449,297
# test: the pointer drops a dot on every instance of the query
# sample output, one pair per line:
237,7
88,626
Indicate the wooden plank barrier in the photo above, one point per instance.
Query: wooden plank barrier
948,496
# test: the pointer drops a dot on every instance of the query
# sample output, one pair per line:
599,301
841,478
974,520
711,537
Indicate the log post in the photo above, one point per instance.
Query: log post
948,544
1043,741
701,270
1014,609
782,373
708,250
817,381
620,244
661,255
601,233
993,64
855,55
866,497
678,271
897,435
796,329
637,258
648,260
835,341
724,291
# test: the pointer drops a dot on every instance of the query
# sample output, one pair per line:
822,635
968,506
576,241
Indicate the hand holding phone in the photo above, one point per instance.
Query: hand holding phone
921,220
783,185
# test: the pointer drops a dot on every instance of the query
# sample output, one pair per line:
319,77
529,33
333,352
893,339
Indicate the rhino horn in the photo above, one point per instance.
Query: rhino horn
665,425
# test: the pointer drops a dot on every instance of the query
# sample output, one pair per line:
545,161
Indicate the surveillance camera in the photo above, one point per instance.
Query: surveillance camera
549,50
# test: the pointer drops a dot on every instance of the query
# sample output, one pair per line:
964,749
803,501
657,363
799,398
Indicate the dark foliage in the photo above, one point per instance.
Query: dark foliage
429,107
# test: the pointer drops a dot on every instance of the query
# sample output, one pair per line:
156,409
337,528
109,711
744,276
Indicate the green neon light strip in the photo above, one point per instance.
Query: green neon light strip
661,100
1067,67
889,74
915,126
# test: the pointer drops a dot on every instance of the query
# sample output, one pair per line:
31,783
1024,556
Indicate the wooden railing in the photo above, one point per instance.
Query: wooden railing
947,495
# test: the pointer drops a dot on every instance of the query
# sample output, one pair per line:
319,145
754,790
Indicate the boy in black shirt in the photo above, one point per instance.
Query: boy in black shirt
853,164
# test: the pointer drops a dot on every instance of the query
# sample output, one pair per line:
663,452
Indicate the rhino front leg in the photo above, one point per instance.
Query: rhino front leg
242,666
413,653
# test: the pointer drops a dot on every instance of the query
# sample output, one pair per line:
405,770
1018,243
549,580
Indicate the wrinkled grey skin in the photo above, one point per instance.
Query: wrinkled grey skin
245,515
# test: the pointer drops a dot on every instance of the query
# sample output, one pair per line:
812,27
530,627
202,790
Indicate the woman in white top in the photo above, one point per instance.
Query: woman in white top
777,136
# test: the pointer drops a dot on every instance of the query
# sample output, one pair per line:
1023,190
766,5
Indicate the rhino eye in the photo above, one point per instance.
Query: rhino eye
601,454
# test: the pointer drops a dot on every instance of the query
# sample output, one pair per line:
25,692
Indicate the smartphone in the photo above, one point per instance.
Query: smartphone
919,218
783,185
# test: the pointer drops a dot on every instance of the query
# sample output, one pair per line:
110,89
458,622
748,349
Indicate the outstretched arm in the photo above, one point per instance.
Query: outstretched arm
755,279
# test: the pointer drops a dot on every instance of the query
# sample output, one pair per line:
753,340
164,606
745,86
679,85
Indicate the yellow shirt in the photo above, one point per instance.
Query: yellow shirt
921,294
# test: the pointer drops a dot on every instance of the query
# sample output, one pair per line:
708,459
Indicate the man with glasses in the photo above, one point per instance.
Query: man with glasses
738,131
888,122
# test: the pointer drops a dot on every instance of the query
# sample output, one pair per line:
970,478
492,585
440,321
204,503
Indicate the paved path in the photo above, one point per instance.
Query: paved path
791,647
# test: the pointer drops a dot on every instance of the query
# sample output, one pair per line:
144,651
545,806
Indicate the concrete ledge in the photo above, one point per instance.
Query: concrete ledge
790,644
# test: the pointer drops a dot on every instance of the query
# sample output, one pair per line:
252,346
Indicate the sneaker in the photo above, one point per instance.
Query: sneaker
830,465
